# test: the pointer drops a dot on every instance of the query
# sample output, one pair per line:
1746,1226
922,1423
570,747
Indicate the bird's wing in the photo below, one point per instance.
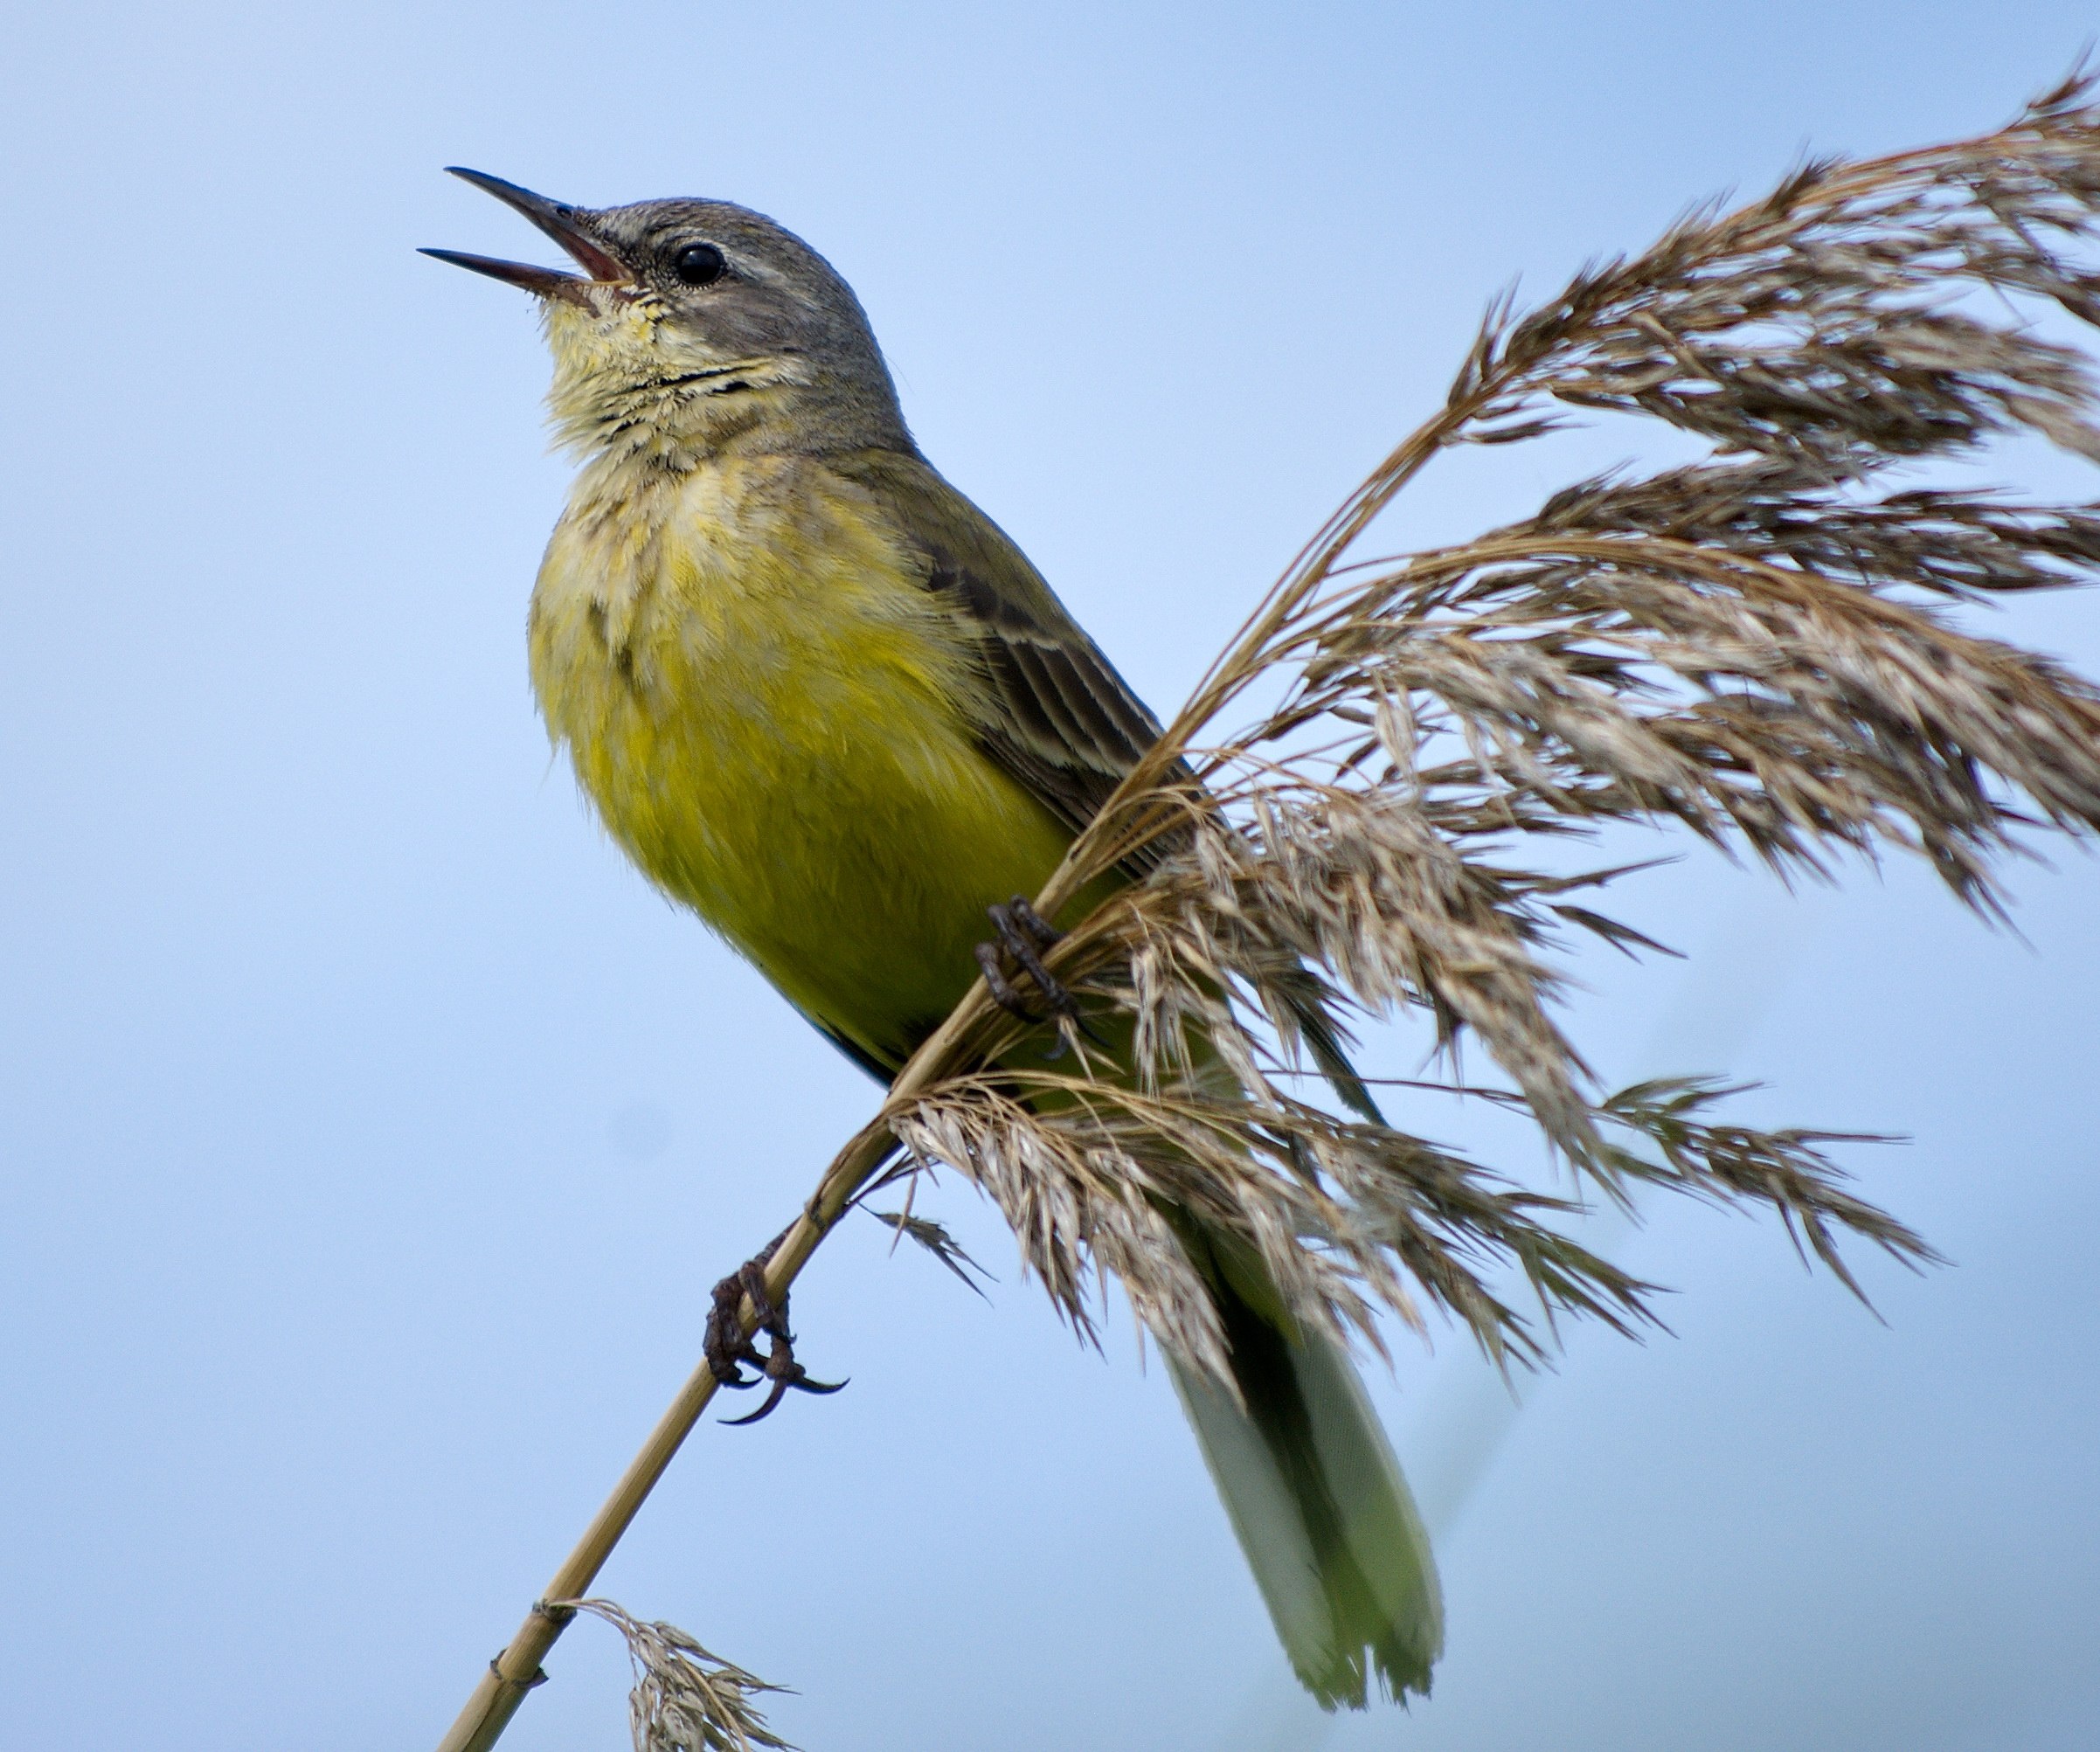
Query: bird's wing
1055,714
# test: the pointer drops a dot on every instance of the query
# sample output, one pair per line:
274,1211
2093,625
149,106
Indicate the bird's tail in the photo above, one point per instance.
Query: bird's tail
1316,1497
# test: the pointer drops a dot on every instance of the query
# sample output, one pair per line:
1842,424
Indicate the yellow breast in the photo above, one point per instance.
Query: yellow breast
773,717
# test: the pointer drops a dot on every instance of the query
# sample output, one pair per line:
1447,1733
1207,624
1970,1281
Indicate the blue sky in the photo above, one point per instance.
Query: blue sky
369,1134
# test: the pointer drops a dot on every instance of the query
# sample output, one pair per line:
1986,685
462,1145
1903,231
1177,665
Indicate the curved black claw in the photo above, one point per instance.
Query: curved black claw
1001,990
1023,933
728,1348
795,1378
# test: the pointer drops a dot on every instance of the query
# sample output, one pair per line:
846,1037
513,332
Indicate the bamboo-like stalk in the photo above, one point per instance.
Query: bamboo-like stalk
514,1673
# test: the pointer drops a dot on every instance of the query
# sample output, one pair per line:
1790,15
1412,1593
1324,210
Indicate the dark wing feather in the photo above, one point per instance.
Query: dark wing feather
1056,715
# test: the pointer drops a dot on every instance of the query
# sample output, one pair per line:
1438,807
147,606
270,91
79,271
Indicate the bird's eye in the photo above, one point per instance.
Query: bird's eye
699,264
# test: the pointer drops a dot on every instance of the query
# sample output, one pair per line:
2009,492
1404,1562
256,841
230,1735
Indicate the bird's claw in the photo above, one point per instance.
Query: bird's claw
728,1348
1023,933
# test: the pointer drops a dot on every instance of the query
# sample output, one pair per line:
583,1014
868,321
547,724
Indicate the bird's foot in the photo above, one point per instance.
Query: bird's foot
728,1349
1023,933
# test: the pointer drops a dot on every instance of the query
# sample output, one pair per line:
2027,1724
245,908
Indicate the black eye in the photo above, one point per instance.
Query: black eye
699,264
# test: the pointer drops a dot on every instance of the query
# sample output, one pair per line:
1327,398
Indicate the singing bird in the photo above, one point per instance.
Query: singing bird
821,699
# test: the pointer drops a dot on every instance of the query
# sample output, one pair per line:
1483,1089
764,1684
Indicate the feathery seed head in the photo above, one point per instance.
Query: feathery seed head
1762,647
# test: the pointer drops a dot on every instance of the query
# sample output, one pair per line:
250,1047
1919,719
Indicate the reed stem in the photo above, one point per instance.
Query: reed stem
516,1671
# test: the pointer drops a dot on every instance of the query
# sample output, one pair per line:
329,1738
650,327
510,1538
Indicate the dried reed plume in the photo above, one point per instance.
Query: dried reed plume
684,1699
1755,647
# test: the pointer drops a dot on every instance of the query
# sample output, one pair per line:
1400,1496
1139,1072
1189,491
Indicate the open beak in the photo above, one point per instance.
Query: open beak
563,223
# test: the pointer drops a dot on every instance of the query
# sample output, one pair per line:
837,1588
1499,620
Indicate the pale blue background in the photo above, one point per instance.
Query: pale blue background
371,1134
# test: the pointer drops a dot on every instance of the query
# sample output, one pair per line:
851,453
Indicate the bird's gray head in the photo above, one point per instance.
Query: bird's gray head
696,326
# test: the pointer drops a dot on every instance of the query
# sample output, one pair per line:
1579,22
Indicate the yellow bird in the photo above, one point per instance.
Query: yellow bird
822,700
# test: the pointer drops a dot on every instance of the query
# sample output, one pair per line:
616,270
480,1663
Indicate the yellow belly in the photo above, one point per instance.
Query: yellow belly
771,715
